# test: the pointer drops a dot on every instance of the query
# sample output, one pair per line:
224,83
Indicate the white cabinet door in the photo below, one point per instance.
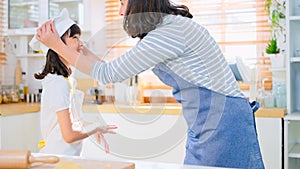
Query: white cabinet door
20,132
269,135
147,137
269,132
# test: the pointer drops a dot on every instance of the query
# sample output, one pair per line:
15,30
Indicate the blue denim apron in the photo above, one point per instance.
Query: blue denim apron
221,129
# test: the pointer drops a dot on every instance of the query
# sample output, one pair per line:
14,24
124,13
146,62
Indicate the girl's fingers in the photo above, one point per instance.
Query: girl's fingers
105,145
98,138
107,149
111,132
103,140
112,126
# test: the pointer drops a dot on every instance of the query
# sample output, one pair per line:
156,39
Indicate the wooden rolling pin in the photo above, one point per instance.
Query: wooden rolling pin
18,159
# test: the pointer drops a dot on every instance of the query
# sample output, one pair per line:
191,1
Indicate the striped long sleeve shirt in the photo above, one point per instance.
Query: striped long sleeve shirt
185,47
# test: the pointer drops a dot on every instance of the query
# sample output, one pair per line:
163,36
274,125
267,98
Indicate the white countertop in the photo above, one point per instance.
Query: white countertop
154,165
138,164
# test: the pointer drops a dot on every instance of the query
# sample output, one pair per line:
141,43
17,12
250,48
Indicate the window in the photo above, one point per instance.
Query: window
117,40
2,32
240,27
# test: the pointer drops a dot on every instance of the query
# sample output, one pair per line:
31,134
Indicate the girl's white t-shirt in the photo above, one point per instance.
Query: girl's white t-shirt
56,96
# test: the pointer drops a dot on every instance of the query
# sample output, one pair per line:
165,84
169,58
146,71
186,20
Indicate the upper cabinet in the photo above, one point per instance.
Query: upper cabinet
75,8
24,16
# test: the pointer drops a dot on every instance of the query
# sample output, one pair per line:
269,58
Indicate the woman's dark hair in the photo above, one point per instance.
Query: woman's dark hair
142,16
53,63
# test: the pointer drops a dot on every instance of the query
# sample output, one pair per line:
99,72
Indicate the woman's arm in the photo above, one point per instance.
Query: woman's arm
160,45
48,36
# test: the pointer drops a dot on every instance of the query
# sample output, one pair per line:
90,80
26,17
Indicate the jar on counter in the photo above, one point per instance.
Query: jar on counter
279,90
10,94
14,94
269,100
5,94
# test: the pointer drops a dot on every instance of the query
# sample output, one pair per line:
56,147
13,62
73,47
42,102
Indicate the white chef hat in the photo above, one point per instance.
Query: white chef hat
61,23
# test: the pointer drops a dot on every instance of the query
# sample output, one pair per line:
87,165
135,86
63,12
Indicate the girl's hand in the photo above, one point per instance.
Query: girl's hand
107,129
101,139
48,36
99,132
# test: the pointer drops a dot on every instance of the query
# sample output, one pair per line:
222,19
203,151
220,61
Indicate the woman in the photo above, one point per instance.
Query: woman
61,122
221,127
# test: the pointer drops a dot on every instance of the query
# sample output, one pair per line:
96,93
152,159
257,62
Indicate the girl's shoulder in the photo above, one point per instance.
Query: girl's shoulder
52,77
55,80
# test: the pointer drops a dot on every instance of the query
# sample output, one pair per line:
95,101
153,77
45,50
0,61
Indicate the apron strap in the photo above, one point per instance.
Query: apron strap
254,106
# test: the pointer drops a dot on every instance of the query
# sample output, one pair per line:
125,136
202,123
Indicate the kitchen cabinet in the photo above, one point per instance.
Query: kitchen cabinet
32,13
292,119
24,16
154,133
147,137
270,131
23,13
269,135
20,131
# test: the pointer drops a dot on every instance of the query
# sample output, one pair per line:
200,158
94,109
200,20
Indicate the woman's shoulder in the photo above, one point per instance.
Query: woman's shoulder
168,19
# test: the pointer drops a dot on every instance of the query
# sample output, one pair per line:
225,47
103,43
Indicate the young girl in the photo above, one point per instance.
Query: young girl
221,125
62,127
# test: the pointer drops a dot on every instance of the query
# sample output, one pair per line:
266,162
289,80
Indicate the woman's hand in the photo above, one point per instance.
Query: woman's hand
48,35
86,52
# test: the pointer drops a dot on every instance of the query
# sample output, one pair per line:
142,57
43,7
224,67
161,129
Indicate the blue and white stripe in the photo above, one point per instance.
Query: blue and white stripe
182,45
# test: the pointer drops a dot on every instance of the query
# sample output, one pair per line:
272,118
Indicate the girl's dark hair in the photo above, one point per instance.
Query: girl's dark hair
53,63
142,16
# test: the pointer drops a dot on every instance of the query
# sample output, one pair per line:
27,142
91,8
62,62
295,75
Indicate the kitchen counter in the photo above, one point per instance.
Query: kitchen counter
96,164
18,108
25,120
168,108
